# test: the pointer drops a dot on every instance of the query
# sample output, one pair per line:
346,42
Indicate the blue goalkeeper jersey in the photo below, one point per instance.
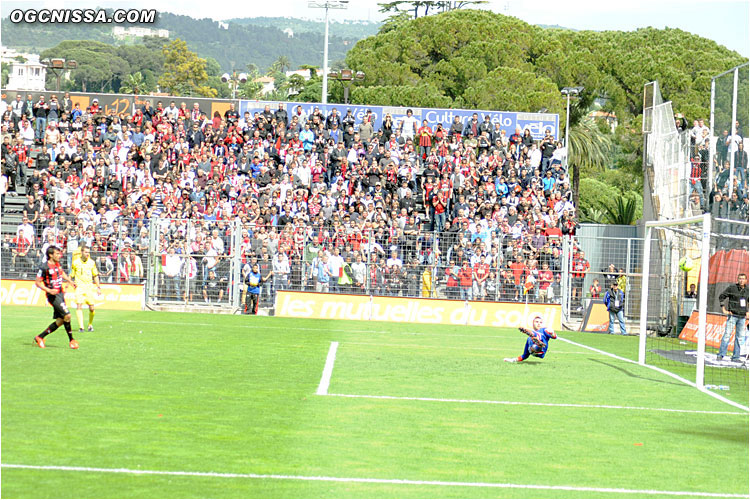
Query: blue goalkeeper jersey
544,335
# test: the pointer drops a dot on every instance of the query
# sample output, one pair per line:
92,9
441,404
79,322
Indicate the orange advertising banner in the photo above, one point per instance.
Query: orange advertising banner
114,296
413,310
715,324
596,318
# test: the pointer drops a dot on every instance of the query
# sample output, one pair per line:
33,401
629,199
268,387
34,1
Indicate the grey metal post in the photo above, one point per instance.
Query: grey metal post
236,266
734,131
627,272
565,285
151,277
567,127
186,265
712,152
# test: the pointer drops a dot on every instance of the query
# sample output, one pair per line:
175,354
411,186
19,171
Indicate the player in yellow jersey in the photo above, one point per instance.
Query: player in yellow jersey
86,275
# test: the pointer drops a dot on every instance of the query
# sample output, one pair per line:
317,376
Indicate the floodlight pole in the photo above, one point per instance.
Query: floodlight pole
567,127
324,98
566,91
326,4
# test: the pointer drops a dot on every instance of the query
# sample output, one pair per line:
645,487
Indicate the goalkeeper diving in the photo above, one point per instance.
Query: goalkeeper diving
537,343
86,275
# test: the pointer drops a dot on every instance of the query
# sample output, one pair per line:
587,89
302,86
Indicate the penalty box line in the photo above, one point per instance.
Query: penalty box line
464,484
530,403
325,382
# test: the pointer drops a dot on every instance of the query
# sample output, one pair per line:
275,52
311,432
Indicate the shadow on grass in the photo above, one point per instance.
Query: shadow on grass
732,434
633,375
46,346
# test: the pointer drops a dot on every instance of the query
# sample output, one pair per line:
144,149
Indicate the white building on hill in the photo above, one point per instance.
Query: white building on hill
304,73
121,33
268,84
26,72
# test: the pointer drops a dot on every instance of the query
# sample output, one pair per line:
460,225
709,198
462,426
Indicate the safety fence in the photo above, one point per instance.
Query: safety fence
207,263
118,247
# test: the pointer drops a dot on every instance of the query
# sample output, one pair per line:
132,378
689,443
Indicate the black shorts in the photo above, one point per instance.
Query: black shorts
58,305
578,282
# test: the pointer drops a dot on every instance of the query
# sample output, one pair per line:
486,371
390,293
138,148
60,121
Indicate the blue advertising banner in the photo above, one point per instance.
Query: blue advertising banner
124,104
537,123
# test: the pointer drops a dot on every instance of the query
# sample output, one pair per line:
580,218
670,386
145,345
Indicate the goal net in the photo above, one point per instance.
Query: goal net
666,157
691,263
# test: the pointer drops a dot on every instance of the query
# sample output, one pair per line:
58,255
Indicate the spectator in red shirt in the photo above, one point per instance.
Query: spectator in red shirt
519,269
580,268
452,282
481,273
545,280
425,141
595,290
465,281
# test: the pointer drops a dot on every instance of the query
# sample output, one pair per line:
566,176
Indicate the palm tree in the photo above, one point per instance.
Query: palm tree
622,212
133,84
588,148
593,215
280,65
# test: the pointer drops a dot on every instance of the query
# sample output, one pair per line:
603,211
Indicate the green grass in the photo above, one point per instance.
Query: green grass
735,379
231,394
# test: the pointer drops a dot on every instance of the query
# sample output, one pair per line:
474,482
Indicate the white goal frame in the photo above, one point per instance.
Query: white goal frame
705,220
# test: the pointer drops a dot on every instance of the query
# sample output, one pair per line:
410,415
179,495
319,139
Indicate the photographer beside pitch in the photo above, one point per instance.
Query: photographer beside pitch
537,343
614,299
735,307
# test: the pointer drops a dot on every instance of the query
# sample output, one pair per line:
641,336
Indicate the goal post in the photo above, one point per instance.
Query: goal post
705,221
685,330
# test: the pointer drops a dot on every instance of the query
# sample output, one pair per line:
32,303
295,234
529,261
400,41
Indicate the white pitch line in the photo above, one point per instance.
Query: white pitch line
458,348
662,371
464,484
527,403
325,380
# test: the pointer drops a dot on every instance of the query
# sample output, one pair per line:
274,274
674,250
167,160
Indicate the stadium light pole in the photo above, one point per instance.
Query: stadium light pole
347,77
234,80
568,91
53,65
327,4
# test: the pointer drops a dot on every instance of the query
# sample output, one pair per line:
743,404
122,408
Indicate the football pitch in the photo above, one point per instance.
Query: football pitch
168,405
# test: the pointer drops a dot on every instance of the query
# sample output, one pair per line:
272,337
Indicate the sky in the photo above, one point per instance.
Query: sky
724,21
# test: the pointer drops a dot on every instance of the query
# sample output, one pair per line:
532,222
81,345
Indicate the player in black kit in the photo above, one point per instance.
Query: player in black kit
50,279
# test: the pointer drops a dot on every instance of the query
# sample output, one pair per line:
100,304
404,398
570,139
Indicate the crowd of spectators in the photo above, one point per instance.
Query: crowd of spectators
721,199
321,202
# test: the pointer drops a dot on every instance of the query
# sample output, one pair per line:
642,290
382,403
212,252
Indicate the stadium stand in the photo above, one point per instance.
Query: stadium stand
444,213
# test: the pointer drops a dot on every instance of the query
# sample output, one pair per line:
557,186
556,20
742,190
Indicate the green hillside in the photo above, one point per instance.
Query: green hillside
347,30
236,46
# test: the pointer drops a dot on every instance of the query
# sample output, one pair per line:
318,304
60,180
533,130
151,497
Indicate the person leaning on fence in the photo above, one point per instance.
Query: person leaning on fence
614,299
734,304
